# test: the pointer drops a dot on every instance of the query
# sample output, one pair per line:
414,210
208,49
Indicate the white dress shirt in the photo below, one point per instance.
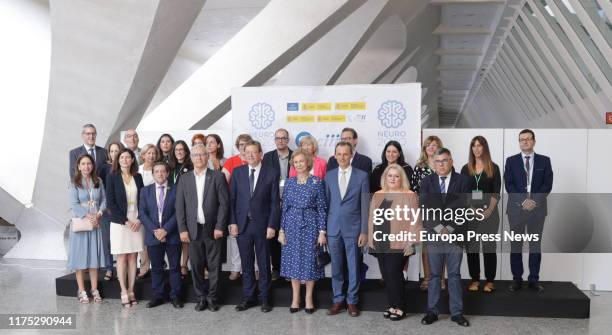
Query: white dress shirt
200,181
257,170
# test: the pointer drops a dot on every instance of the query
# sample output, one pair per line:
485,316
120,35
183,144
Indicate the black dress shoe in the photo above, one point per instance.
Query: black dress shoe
176,303
536,286
265,306
309,310
155,303
294,310
201,305
212,306
243,306
515,286
429,318
460,320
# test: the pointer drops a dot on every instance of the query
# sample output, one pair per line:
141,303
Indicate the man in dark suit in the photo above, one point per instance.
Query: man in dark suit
278,160
202,212
156,211
358,160
99,154
528,178
444,190
255,216
347,190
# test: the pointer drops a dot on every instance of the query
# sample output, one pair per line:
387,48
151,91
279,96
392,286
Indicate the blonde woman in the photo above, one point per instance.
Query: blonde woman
319,167
392,256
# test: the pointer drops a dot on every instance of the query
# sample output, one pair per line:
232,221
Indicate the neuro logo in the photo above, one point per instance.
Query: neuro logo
261,115
392,114
299,136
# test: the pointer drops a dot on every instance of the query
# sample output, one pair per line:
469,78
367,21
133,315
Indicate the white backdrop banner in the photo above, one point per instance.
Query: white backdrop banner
378,113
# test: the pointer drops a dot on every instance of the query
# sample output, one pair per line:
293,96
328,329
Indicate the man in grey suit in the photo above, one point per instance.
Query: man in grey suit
347,191
202,212
99,154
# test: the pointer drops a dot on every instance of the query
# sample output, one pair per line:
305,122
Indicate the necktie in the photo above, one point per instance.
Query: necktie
527,167
160,202
92,154
343,184
252,181
443,185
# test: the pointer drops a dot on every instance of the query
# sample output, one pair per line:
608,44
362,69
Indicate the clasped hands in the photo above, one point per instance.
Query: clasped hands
94,219
321,241
528,204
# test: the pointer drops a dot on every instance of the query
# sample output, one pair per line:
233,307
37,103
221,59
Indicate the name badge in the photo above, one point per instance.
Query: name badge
282,183
477,195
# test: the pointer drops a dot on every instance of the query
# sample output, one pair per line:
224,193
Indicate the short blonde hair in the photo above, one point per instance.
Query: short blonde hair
307,156
148,147
310,139
403,177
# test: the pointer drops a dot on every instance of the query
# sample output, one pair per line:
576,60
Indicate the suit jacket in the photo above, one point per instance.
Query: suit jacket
263,207
148,214
456,197
270,160
101,157
515,180
215,203
116,199
364,163
347,216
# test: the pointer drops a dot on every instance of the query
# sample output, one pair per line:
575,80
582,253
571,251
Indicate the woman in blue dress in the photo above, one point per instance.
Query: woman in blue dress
87,201
303,229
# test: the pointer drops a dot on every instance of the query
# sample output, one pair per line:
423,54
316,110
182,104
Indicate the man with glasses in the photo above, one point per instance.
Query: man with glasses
202,213
528,178
130,139
444,190
358,160
278,160
99,154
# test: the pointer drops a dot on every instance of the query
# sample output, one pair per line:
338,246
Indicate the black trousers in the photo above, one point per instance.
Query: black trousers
489,248
205,251
392,270
275,253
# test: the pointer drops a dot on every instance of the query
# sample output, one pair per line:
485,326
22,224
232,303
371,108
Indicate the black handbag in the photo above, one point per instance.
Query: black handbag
323,258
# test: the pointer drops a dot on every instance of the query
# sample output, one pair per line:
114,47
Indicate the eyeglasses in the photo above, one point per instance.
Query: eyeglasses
442,161
346,139
199,155
90,134
281,139
525,140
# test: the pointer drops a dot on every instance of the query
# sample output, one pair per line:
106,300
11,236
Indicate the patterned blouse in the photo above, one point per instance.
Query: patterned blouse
417,175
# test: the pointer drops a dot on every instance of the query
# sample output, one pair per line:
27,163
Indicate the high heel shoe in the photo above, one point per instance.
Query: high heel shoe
82,296
293,309
125,300
132,297
96,296
309,310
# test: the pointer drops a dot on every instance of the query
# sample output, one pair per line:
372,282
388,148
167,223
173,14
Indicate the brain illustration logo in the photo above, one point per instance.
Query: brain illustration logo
261,115
392,114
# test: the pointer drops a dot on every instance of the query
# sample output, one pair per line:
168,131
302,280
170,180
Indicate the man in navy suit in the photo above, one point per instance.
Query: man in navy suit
444,190
99,154
528,178
278,160
255,216
156,211
358,160
347,191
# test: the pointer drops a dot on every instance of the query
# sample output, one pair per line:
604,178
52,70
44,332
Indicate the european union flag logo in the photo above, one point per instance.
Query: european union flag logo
293,106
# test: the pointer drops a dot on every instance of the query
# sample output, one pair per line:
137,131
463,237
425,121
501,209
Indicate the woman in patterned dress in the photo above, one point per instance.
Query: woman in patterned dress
422,169
303,229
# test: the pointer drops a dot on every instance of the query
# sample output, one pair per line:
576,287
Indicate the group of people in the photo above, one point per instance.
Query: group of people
287,211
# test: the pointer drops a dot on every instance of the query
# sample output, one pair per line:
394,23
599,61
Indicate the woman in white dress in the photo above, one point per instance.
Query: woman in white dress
126,234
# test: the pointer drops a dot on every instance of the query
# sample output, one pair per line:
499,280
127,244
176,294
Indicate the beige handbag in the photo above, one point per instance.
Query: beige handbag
81,224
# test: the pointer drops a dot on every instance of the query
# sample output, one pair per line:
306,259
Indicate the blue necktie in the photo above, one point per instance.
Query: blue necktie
443,185
92,154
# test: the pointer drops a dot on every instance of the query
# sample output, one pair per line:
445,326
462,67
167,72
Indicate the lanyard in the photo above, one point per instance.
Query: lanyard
477,177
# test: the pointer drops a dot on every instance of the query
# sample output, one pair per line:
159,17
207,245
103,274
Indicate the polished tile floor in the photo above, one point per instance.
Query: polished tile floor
29,287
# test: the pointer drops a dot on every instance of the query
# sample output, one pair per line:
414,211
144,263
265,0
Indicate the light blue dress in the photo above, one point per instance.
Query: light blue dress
85,250
303,215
